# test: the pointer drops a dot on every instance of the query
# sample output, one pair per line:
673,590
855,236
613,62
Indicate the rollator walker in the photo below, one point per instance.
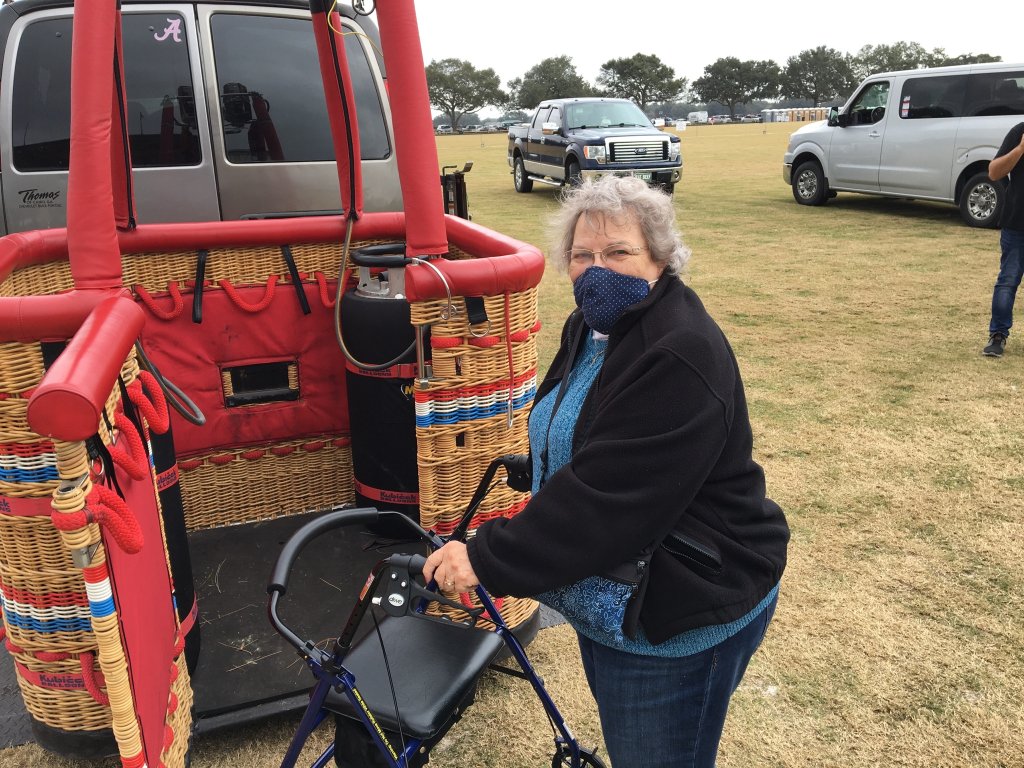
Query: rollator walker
409,681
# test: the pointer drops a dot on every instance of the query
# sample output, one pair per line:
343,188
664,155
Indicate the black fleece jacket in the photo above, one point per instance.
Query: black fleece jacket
663,443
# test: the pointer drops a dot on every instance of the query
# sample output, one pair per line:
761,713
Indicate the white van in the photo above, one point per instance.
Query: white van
925,134
219,126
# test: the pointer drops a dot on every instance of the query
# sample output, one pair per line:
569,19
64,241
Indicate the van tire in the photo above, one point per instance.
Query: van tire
519,176
981,201
809,186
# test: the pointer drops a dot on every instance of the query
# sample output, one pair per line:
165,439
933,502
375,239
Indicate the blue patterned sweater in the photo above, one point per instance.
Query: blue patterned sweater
595,606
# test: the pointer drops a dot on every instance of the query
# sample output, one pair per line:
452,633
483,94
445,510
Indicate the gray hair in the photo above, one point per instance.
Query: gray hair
622,199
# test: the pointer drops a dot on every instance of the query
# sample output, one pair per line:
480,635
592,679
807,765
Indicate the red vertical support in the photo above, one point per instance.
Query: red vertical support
120,152
341,105
92,237
414,134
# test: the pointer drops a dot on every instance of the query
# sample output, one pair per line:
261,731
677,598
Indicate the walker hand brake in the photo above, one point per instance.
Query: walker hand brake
399,588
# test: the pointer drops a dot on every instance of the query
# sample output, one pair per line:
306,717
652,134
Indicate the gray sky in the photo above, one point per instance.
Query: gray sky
511,37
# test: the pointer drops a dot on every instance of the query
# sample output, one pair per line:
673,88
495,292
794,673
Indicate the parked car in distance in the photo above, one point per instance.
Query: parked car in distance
573,139
719,119
444,128
750,119
472,128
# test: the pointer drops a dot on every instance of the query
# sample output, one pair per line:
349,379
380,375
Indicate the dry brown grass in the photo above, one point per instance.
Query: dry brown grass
895,448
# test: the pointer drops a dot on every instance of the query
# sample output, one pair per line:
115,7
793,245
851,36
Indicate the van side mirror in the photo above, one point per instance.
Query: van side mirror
833,116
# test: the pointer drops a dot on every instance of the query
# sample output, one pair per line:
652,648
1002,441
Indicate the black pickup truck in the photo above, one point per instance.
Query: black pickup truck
572,139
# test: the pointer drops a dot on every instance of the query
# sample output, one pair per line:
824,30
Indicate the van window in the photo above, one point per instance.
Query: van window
869,106
270,115
933,97
160,116
995,93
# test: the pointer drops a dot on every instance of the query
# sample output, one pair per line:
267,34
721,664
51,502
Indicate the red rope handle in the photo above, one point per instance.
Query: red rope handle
110,512
465,600
92,685
245,306
132,458
325,296
86,660
153,407
177,304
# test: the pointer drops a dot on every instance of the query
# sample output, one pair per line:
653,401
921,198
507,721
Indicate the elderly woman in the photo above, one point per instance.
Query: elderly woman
648,528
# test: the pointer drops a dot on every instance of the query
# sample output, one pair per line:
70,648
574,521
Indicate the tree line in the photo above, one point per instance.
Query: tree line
812,77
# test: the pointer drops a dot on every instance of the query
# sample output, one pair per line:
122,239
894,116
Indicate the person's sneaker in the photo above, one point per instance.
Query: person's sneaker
996,344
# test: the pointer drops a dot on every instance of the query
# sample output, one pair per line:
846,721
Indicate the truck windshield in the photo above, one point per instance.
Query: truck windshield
605,114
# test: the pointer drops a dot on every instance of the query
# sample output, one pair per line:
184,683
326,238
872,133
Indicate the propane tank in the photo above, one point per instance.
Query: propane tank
380,351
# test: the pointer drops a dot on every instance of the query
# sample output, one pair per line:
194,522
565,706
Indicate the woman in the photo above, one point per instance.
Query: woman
648,528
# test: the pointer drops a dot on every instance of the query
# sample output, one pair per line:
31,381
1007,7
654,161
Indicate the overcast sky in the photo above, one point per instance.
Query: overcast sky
511,37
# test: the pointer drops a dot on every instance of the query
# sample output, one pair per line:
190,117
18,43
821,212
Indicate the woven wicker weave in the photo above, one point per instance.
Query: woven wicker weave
259,483
463,417
179,719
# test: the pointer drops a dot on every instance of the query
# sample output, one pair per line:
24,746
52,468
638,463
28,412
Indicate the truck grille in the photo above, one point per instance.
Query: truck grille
637,150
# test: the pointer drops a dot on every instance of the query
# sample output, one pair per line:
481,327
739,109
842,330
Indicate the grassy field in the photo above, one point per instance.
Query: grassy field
895,448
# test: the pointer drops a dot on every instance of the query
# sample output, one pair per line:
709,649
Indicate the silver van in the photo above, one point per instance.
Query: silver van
925,134
219,125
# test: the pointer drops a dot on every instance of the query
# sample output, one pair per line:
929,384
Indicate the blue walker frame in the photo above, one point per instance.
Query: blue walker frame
328,666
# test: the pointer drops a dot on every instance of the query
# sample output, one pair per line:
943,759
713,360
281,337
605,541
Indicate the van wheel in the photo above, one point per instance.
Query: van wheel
809,184
981,201
523,182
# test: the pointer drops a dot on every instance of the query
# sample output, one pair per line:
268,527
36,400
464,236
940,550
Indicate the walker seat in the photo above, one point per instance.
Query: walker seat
438,662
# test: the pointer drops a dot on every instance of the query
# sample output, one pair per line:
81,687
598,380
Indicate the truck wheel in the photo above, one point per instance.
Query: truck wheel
981,201
523,182
573,175
809,184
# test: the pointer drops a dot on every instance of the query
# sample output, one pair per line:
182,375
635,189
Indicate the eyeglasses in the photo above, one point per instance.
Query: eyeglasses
610,254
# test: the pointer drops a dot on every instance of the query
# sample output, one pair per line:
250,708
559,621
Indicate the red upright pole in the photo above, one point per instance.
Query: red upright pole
341,105
414,135
92,237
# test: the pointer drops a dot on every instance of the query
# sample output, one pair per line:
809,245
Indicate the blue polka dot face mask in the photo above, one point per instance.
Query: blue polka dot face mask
604,295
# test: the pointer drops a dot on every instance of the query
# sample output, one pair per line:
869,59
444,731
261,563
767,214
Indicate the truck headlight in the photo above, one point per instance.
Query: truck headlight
595,153
673,150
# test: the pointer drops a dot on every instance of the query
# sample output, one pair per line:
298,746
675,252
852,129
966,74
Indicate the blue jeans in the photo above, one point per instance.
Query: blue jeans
1011,267
668,712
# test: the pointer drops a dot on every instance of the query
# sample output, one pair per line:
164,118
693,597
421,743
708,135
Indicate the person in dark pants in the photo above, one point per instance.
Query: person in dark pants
648,528
1009,161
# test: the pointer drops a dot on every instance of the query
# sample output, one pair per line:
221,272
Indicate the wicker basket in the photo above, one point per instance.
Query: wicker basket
475,409
70,664
479,371
259,483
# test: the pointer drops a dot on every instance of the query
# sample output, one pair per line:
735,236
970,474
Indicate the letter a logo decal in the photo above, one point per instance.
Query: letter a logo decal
173,29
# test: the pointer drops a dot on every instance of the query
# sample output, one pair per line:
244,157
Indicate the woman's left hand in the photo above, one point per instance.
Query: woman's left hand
451,568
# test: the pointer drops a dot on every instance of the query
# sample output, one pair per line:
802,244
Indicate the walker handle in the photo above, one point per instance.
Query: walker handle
338,518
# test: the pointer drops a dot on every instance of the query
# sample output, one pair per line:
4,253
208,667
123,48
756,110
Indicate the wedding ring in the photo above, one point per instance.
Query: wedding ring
449,584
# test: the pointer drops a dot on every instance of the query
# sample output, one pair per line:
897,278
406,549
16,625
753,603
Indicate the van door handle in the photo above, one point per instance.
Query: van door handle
874,135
